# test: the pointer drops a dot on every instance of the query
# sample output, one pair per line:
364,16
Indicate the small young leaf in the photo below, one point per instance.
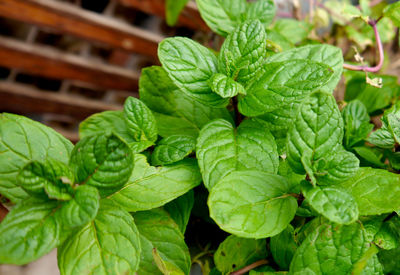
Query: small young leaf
180,209
150,187
190,66
21,141
225,86
283,246
334,203
141,124
235,252
172,149
158,231
252,204
243,52
382,138
108,245
372,155
172,10
221,149
175,112
102,161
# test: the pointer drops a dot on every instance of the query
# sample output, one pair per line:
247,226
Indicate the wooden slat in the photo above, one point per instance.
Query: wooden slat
21,98
52,63
67,18
189,17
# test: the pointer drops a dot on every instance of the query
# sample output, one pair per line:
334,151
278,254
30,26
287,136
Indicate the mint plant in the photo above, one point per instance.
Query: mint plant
247,141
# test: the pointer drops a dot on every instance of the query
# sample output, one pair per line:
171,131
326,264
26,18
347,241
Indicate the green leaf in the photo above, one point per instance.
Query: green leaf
283,83
108,245
225,86
139,120
293,30
330,249
172,10
386,237
263,10
283,247
356,123
222,16
150,187
112,122
243,52
332,202
221,149
23,140
82,208
382,138
28,232
372,155
158,231
103,161
175,112
180,209
51,179
190,66
277,42
252,204
392,11
326,54
235,252
165,267
172,149
376,191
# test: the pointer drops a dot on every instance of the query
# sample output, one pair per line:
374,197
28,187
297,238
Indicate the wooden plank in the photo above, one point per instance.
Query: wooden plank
67,18
49,62
26,100
189,17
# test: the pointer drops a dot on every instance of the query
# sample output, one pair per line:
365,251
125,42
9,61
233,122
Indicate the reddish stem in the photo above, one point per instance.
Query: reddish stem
380,51
3,212
249,267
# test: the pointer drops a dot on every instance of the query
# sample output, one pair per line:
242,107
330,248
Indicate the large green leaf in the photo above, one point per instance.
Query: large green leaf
175,112
180,209
376,191
158,231
103,161
243,52
283,247
222,149
28,232
393,12
252,204
293,30
335,203
327,54
330,249
172,149
108,245
263,10
190,66
235,252
150,187
21,141
282,83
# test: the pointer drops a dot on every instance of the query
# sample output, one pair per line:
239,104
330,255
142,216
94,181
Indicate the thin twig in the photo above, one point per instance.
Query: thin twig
376,68
249,267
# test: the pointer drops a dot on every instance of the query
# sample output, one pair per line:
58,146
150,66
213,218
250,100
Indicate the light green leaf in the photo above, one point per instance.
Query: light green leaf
172,149
235,252
252,204
222,16
386,237
376,191
102,161
282,83
225,86
140,122
293,30
190,66
172,10
382,138
158,231
221,149
326,54
263,10
277,42
283,247
334,203
108,245
175,112
165,267
28,232
23,140
82,208
150,187
180,209
243,52
330,249
392,11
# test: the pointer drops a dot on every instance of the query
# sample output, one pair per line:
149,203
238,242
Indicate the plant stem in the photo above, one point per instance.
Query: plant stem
376,68
249,267
3,212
